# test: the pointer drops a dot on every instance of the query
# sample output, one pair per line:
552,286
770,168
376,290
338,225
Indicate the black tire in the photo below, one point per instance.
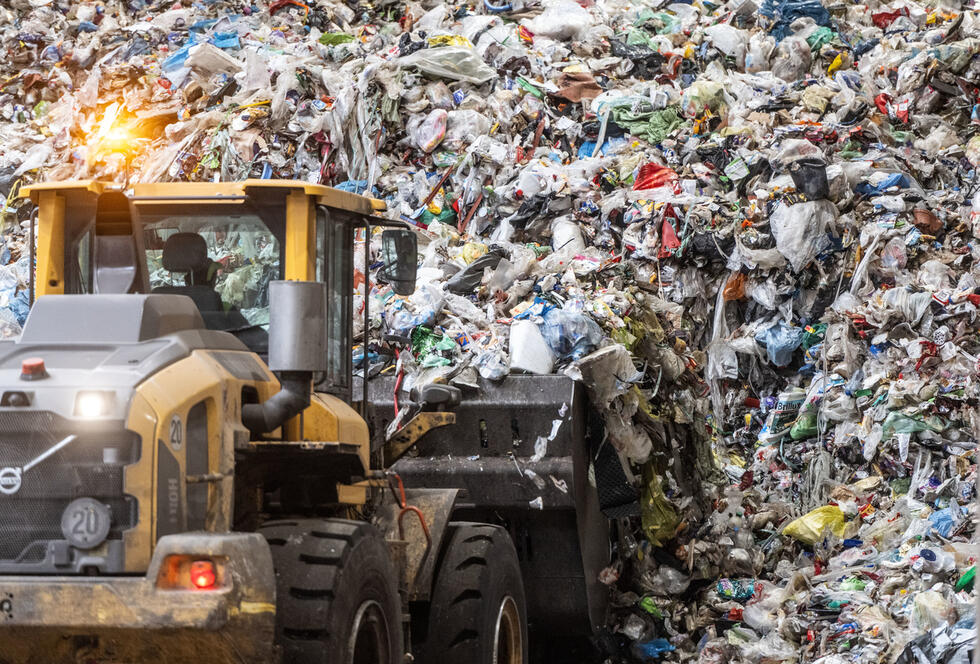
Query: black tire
336,593
478,613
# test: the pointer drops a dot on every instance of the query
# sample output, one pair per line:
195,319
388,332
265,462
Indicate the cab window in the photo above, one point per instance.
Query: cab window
223,263
335,267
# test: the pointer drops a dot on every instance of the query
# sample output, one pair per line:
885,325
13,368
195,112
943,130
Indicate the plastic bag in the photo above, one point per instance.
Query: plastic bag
729,40
492,364
792,59
760,50
529,352
946,644
931,610
570,335
458,63
430,131
563,21
893,256
735,288
704,95
658,517
780,341
607,373
469,278
810,527
800,230
652,649
667,582
652,176
464,127
566,235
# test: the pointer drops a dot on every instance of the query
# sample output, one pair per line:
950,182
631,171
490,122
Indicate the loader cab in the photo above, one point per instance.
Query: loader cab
220,244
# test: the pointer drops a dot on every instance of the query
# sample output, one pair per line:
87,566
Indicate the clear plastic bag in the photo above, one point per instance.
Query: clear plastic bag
458,63
759,52
464,127
792,59
801,230
893,256
667,582
428,133
729,40
570,335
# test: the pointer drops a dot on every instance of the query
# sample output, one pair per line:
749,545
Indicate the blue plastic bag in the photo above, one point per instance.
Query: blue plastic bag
784,12
943,521
780,340
653,648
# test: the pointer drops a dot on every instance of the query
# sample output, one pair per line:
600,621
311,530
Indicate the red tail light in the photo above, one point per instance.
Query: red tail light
203,574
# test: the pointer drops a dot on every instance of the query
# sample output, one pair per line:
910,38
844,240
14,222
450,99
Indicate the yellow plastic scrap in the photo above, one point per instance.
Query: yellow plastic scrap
472,251
810,527
657,515
836,64
450,40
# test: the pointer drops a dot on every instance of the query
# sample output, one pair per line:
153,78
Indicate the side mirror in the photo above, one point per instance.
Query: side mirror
400,253
297,326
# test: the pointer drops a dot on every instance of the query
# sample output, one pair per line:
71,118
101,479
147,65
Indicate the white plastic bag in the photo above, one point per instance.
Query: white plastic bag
564,21
528,350
801,230
729,40
759,52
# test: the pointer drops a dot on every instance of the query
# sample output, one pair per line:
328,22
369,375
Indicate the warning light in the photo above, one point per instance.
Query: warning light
203,574
33,369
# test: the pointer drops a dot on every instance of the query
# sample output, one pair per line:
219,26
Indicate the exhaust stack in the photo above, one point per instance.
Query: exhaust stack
297,349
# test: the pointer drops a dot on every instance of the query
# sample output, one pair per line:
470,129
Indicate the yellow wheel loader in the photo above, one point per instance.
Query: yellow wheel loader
183,474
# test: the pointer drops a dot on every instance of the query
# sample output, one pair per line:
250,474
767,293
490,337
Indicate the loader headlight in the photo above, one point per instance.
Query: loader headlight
94,403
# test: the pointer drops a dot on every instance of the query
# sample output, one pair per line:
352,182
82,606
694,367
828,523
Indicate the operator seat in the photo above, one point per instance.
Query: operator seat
187,254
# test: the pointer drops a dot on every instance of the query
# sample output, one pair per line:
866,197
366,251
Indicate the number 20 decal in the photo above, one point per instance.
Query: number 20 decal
176,433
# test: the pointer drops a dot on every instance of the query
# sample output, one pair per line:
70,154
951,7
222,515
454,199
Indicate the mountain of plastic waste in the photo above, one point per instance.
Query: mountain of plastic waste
748,227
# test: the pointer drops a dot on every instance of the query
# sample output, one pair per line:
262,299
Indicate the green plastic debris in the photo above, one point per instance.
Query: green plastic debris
805,425
446,216
527,85
819,37
965,581
432,349
661,22
898,422
901,485
41,109
638,37
902,137
853,583
814,334
335,38
647,605
644,122
444,159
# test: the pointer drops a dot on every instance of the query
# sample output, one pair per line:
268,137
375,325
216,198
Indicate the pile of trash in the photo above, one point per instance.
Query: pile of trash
748,227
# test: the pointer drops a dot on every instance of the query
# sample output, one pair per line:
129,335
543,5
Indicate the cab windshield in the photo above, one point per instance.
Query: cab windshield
223,263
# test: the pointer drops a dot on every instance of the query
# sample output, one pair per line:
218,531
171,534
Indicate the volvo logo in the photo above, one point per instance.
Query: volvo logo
10,480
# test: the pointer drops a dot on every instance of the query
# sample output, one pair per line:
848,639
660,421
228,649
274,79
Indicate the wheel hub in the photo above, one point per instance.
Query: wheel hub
508,644
369,636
